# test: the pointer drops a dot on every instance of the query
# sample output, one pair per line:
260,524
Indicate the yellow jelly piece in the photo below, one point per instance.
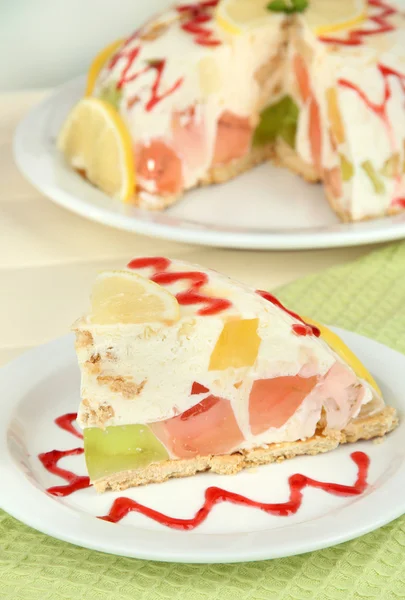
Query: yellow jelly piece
345,353
392,166
346,168
335,116
237,346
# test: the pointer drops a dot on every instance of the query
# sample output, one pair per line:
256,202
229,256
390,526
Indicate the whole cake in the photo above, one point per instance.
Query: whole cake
184,370
209,89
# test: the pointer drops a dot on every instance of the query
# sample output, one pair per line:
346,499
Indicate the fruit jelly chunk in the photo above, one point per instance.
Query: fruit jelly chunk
209,427
237,345
273,401
120,448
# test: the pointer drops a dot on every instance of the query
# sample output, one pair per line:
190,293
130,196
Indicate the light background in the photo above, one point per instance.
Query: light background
45,42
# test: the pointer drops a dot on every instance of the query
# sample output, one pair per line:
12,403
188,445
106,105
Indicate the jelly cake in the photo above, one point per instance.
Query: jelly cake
185,370
207,90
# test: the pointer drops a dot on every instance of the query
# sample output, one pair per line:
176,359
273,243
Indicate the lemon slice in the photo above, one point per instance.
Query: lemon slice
236,16
322,16
345,353
330,16
125,297
94,139
98,63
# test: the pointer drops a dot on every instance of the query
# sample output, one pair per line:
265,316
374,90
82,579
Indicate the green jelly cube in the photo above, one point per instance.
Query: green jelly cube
372,174
346,168
277,120
112,95
120,448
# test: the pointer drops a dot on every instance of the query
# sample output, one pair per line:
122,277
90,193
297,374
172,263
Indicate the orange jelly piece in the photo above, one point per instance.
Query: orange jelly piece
237,346
273,401
209,427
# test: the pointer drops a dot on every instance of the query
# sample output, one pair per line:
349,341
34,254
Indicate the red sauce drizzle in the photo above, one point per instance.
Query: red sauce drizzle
302,329
214,495
380,110
355,36
50,461
157,65
190,296
159,263
199,15
66,422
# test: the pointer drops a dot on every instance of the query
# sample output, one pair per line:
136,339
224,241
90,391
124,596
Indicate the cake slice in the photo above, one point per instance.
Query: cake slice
184,370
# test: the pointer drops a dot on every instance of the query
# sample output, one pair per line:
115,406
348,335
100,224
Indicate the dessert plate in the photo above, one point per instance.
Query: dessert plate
231,532
267,208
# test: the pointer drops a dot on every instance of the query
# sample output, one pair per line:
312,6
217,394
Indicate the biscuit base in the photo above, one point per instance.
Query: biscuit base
215,174
361,428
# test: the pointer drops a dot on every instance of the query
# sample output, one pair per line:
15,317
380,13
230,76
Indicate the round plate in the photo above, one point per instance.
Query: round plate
268,207
50,387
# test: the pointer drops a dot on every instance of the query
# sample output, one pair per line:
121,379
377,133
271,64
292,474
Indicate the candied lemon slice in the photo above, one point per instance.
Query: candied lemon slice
126,297
98,63
236,16
95,139
330,16
334,341
237,345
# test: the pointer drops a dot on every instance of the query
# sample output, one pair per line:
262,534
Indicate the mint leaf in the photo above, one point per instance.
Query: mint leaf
287,6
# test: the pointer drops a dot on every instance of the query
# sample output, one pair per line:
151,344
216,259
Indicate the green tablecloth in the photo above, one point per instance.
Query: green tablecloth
367,296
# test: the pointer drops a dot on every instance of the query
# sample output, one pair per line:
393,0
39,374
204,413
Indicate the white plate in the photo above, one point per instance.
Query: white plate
44,383
266,208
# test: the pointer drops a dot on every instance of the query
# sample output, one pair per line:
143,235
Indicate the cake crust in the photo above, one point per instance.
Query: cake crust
361,428
216,174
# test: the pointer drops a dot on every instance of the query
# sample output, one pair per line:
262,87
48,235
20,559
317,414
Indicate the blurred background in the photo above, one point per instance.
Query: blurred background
45,42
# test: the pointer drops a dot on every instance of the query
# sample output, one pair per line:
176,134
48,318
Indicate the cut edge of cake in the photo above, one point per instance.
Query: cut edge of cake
361,428
216,174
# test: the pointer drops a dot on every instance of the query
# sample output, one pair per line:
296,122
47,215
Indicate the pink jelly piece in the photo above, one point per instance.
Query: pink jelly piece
189,135
315,133
158,162
234,136
209,427
302,75
273,401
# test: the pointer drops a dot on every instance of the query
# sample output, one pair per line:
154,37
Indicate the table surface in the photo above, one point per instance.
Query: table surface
49,257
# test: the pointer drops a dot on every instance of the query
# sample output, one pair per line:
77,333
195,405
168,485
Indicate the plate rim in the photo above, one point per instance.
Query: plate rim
82,529
193,233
